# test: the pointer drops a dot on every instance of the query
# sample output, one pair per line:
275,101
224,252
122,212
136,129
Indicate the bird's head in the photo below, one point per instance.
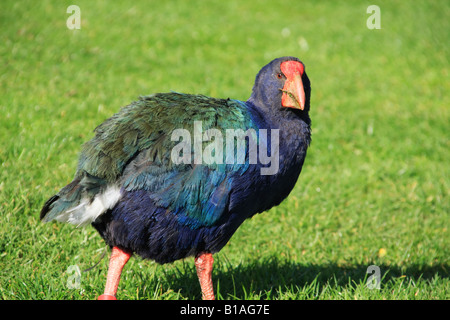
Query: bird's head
282,83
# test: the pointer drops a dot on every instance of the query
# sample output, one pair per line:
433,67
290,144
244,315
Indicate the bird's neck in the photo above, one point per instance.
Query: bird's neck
277,116
294,134
293,140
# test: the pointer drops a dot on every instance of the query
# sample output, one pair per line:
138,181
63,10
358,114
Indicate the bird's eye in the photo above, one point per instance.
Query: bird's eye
279,75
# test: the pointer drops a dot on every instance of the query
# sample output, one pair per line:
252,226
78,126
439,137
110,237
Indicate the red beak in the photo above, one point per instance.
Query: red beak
293,92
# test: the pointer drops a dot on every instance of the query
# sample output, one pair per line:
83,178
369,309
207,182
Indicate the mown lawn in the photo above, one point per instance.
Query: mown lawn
375,186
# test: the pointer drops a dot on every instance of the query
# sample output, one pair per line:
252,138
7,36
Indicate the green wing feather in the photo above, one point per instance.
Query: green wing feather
133,149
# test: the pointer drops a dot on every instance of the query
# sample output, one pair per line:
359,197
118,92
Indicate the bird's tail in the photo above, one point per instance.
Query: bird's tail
81,201
57,206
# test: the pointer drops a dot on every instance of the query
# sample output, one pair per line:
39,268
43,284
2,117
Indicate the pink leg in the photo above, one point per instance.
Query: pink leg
204,264
116,263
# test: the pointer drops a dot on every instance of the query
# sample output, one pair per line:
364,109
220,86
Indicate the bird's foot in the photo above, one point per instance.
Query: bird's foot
106,297
204,264
117,261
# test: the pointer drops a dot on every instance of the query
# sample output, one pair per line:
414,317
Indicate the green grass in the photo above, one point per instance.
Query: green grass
375,186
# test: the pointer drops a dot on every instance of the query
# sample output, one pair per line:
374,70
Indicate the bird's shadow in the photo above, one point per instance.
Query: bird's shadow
268,279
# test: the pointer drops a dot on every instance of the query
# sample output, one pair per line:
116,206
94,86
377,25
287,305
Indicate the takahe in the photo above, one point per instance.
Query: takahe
174,175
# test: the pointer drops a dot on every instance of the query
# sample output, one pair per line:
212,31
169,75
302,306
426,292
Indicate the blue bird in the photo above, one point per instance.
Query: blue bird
174,175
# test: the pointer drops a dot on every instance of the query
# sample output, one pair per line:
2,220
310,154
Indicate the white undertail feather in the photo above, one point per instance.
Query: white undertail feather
86,212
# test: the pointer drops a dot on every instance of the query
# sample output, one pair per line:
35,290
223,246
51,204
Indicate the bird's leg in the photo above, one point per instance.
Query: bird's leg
204,264
116,263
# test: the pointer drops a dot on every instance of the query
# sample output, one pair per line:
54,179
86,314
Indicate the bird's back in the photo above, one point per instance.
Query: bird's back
132,150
